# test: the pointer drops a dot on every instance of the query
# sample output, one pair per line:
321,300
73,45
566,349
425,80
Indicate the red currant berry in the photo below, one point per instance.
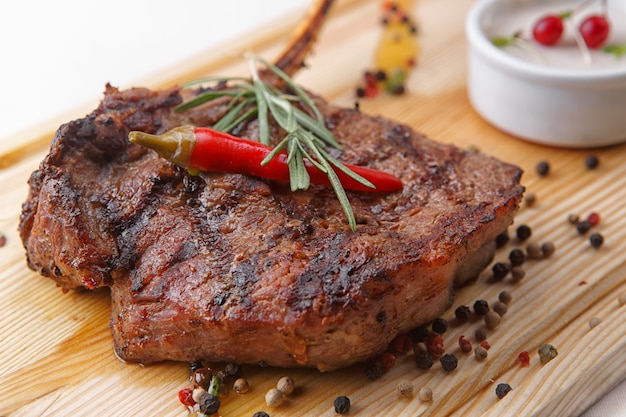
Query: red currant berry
548,30
594,30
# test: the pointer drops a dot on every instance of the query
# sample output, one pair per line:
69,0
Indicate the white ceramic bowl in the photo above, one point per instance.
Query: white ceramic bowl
578,106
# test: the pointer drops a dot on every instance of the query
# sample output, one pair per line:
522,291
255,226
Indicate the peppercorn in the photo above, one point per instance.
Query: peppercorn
547,248
517,274
517,257
286,385
547,353
533,250
194,366
484,344
502,390
592,162
198,393
481,307
201,377
505,297
405,389
185,396
499,270
419,334
480,353
449,362
583,227
596,240
274,397
543,168
594,321
373,370
573,218
464,344
402,344
387,361
463,313
523,232
424,360
241,386
593,218
434,344
209,404
480,334
342,404
425,394
524,359
440,325
420,347
500,308
260,414
502,239
529,199
492,320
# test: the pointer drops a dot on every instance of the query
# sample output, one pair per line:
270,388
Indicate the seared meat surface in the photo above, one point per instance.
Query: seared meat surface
226,267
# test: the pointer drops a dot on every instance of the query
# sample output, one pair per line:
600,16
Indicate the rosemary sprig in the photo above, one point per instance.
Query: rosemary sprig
306,137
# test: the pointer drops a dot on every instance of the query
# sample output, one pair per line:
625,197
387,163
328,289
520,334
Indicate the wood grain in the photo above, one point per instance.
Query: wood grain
56,356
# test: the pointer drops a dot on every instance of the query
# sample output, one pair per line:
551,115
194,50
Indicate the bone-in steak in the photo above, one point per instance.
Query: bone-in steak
226,267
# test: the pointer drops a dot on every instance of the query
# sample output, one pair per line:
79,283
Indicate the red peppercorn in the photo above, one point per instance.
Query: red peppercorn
402,344
593,218
485,345
434,344
387,361
464,344
524,359
185,396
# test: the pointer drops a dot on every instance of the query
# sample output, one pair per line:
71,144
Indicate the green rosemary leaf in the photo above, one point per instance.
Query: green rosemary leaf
299,178
212,80
206,97
226,120
317,129
248,114
276,150
341,194
339,165
259,91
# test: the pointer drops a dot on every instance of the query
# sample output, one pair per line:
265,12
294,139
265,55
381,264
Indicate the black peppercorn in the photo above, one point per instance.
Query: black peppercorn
373,370
209,404
440,325
592,162
418,334
463,313
502,390
499,270
423,360
502,238
342,404
481,307
449,362
596,240
523,232
517,257
260,414
543,168
583,227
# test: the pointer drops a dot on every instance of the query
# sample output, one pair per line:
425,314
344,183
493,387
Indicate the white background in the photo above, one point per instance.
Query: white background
56,56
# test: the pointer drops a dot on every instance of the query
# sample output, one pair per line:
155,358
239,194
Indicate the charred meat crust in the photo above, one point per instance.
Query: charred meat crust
229,267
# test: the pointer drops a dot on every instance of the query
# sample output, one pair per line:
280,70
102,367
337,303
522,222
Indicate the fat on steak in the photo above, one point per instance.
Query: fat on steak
226,267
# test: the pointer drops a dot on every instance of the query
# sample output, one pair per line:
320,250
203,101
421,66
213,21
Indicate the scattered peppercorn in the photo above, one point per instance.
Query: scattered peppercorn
500,308
529,199
402,344
533,251
547,353
274,397
342,404
543,168
524,359
583,227
481,307
260,414
405,389
502,390
387,361
547,248
424,360
448,362
286,385
502,239
241,386
594,321
420,347
463,313
373,370
440,325
425,394
185,396
517,257
593,218
523,232
464,344
517,274
434,344
592,162
596,240
505,296
209,404
500,270
573,218
419,334
198,394
201,377
492,320
480,334
484,344
480,353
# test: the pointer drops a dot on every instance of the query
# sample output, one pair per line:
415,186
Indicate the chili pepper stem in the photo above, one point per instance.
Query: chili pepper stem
174,145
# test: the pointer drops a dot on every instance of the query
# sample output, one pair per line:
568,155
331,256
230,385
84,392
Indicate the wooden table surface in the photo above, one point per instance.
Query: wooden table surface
56,356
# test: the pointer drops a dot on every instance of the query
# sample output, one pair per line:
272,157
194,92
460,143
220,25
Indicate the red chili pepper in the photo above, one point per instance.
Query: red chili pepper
205,149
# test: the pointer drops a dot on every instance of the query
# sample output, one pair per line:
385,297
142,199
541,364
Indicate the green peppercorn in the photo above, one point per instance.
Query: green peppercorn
596,240
342,404
500,270
547,352
543,168
505,297
502,390
517,257
463,313
481,307
592,162
523,232
449,362
547,249
439,325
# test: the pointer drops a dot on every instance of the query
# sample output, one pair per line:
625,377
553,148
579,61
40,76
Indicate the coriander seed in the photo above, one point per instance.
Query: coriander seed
523,232
492,320
505,296
596,240
502,390
594,321
425,394
342,404
547,352
286,385
500,308
274,397
448,362
517,274
405,389
547,249
480,353
543,168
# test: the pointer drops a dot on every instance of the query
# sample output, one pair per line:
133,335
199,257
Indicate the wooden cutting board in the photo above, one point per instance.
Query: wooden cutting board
56,356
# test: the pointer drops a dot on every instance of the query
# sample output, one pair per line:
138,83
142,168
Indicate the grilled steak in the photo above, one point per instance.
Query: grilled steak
227,267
